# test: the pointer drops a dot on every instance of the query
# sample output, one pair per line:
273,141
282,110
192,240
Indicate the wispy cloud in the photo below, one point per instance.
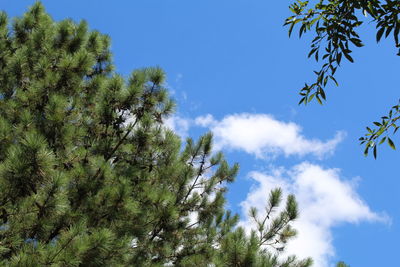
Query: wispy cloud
325,200
264,136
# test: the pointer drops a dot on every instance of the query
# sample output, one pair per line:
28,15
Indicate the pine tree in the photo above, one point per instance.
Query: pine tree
90,176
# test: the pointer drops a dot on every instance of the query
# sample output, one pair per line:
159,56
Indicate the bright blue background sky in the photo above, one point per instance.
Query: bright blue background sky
225,57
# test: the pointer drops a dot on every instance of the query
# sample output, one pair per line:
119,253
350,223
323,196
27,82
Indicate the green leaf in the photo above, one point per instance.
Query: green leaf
388,30
319,100
310,98
334,80
302,30
382,140
302,100
379,34
391,144
366,150
349,58
312,51
291,28
339,58
322,93
356,42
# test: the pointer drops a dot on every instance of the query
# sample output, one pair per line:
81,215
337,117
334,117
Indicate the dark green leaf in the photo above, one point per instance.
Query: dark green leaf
379,34
339,58
291,28
382,140
349,58
391,144
366,150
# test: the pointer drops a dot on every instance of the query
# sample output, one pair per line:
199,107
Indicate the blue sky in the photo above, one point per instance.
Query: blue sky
233,70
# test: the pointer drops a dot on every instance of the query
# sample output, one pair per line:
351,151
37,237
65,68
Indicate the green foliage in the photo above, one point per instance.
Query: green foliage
90,176
279,231
342,264
335,24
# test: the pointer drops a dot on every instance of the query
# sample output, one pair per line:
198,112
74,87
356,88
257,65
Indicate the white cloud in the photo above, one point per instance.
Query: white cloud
179,125
264,136
325,200
205,121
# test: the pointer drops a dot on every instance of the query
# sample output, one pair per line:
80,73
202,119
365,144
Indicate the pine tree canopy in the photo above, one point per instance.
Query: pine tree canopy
90,176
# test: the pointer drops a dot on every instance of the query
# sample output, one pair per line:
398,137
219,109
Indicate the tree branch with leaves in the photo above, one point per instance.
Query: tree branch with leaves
335,25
